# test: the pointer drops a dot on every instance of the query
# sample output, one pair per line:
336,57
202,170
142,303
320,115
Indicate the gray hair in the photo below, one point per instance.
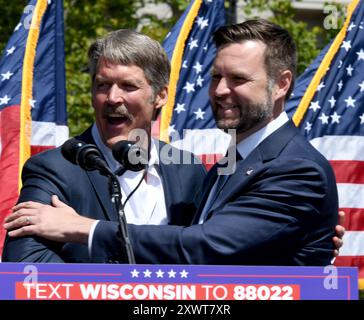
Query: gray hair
128,47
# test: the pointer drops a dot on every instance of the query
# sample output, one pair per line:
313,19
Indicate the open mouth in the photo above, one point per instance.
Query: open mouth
116,119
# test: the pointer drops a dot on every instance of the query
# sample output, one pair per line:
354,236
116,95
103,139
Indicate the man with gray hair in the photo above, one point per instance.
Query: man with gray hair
280,205
130,74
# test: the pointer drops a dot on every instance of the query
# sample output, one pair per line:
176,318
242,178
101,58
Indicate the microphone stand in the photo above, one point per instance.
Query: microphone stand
116,199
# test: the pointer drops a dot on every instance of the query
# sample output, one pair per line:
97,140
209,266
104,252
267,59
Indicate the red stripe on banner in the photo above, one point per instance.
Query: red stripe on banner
348,171
349,261
9,162
354,219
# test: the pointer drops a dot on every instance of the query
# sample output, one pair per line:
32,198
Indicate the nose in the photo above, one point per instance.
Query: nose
221,87
115,95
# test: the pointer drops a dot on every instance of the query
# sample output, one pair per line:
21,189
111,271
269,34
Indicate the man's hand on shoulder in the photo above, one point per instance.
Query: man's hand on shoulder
58,222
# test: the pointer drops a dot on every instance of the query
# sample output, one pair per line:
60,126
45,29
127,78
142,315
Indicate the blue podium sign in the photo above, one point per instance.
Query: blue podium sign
21,281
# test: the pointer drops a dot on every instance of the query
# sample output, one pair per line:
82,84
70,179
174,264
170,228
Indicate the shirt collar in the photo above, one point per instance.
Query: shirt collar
107,153
246,146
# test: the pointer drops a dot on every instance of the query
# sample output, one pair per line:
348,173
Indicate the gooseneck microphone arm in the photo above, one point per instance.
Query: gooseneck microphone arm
88,157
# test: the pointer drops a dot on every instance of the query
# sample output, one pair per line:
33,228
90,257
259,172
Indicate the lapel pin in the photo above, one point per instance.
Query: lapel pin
249,171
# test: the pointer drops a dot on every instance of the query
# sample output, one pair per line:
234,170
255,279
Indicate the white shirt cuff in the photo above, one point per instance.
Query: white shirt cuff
91,236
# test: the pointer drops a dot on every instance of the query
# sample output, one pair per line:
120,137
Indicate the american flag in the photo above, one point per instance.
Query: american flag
330,113
187,120
32,95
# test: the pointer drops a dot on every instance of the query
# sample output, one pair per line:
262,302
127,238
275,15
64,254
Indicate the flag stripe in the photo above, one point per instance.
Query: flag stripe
176,63
350,195
9,161
324,66
203,141
346,147
353,244
348,171
354,219
27,84
48,133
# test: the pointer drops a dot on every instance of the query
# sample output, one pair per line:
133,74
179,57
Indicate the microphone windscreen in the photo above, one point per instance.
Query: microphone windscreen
130,156
71,148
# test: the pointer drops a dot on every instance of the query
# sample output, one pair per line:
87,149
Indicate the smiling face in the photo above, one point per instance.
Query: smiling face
241,92
123,100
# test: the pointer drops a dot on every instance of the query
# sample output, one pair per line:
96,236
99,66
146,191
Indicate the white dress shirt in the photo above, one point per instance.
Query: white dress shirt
147,204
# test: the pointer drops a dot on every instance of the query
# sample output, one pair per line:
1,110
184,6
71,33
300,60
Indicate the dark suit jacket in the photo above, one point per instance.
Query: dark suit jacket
280,207
87,192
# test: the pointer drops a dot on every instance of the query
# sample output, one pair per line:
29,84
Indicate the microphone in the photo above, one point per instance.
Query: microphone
130,156
87,156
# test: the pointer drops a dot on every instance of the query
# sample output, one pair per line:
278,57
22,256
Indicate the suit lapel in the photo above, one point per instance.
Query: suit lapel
267,150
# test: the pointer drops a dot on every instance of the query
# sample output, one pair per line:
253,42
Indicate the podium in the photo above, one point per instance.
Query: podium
40,281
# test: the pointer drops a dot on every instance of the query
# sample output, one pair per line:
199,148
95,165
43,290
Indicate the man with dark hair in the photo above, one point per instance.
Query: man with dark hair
280,205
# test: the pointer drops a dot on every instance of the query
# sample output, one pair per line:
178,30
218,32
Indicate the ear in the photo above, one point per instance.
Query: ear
283,83
161,98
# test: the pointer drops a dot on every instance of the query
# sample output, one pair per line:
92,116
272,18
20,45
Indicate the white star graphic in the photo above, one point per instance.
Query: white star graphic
10,51
49,1
335,118
134,273
361,85
314,106
361,118
350,102
332,102
180,108
193,44
183,273
340,64
320,86
32,103
147,273
352,25
197,67
199,20
199,114
360,54
346,45
18,26
171,129
4,100
199,81
340,85
324,118
184,64
308,126
189,87
204,23
349,70
172,274
6,76
205,48
159,273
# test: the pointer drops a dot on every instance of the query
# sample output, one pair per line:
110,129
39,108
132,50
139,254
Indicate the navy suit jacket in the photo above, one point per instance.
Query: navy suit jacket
280,207
87,192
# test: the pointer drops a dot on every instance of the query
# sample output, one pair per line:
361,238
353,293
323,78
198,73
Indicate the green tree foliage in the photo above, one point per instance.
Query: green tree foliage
85,20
